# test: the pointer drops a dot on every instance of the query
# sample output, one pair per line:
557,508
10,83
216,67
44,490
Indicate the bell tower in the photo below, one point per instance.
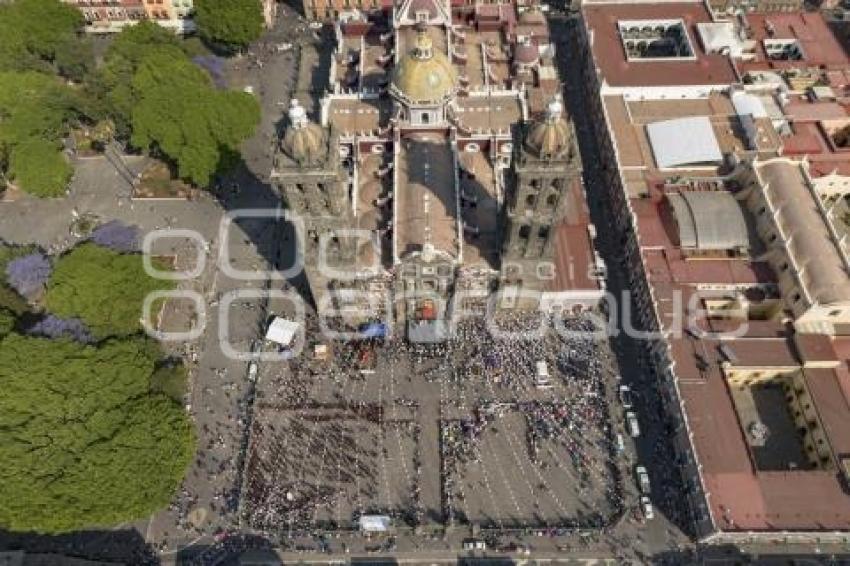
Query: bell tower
546,168
309,175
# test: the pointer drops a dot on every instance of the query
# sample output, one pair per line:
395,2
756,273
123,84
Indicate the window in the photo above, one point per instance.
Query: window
525,231
835,313
551,200
529,200
543,232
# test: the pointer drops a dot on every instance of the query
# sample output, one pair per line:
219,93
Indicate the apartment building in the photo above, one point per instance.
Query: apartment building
109,16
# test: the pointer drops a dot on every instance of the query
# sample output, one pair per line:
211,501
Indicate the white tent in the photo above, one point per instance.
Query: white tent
375,523
282,331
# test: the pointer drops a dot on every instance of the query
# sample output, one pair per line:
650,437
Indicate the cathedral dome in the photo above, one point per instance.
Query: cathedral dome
550,138
424,75
303,141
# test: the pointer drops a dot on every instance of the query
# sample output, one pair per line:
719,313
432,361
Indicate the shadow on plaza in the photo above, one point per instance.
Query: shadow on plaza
124,546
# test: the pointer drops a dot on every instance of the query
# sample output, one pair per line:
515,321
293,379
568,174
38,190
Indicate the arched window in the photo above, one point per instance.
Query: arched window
552,199
529,200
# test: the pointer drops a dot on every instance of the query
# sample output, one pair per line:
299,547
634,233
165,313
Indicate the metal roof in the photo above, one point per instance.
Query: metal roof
709,220
684,141
746,103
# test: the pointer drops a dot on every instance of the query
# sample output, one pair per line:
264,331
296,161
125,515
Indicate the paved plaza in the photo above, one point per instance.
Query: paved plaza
443,435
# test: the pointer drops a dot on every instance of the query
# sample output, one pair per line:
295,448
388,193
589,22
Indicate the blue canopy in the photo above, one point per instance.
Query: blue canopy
374,330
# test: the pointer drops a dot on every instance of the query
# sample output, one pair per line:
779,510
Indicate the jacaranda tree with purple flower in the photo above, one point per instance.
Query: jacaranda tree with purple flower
52,326
28,274
117,236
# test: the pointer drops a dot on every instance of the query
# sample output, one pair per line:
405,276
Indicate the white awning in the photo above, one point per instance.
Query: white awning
282,331
375,523
683,142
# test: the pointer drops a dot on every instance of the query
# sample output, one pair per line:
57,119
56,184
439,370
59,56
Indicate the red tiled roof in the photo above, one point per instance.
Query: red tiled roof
829,389
819,45
708,69
815,348
573,259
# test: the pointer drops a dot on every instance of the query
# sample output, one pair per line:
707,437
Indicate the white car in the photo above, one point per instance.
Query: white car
642,479
632,424
625,393
619,443
316,25
646,508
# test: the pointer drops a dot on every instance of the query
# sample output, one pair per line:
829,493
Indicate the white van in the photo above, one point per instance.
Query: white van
541,378
632,424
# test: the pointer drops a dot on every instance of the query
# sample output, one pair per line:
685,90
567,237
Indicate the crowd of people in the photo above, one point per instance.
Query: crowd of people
318,462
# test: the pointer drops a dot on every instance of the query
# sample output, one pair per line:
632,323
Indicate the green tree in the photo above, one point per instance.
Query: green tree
103,288
40,169
178,115
35,32
35,110
83,440
7,322
110,86
232,23
170,380
75,59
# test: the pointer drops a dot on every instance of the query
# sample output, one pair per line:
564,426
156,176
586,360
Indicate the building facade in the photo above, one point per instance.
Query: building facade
113,16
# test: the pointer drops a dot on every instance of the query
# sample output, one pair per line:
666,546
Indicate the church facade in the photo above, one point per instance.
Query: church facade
440,174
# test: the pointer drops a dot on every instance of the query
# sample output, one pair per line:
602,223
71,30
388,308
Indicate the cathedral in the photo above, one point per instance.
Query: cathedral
440,173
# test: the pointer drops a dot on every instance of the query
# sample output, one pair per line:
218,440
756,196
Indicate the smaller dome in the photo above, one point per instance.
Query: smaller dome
303,141
532,17
551,137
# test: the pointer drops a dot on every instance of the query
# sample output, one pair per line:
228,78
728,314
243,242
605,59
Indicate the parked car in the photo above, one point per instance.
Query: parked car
632,424
625,393
646,508
619,443
642,479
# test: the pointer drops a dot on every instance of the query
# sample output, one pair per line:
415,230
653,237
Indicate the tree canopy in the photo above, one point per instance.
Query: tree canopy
35,109
179,115
37,32
40,168
103,288
83,440
112,83
7,321
232,23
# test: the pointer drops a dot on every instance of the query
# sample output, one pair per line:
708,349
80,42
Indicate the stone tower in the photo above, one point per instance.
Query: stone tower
546,168
314,185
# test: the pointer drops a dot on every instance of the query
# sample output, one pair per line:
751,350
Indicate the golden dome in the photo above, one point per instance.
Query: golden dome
550,138
424,74
303,141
